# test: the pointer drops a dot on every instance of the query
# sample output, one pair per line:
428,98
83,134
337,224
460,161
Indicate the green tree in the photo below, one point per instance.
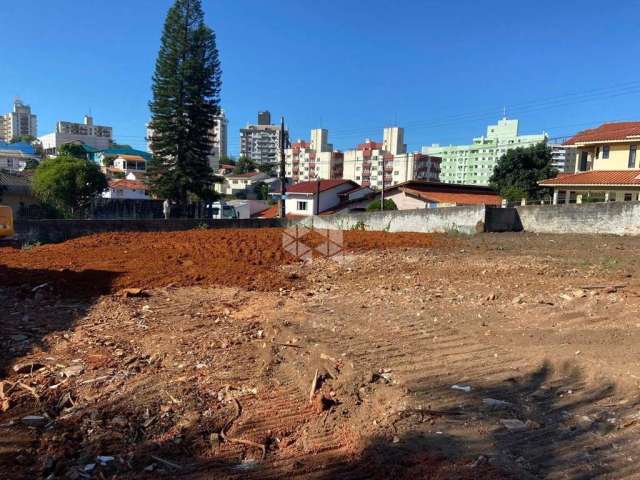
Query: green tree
68,184
72,150
245,165
23,139
519,170
186,96
267,168
262,190
388,205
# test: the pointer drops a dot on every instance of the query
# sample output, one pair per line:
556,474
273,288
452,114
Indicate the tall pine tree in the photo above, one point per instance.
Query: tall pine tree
186,96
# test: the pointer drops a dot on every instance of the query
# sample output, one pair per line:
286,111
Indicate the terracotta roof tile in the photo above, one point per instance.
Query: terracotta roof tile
127,184
615,131
312,186
597,177
457,198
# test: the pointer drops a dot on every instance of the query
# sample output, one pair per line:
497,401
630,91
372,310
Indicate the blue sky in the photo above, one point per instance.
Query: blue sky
441,69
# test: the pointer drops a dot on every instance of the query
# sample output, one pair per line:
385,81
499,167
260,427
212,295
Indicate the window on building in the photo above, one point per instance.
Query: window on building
302,206
628,197
632,156
605,151
597,152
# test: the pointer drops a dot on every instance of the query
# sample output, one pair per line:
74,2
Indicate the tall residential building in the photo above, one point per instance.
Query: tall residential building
372,163
313,160
95,136
19,122
219,140
563,158
473,164
264,118
261,142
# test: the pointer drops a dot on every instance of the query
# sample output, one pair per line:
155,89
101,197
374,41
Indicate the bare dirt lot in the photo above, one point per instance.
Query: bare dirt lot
413,356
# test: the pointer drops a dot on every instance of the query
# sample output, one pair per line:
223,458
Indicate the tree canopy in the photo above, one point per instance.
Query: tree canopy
388,205
72,150
186,96
244,165
23,139
519,170
68,184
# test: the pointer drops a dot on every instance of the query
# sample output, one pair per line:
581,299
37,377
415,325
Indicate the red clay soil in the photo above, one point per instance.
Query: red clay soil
104,263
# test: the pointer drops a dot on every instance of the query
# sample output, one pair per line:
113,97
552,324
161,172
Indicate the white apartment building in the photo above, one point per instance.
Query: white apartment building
219,140
474,164
86,133
388,163
18,122
261,142
563,158
313,160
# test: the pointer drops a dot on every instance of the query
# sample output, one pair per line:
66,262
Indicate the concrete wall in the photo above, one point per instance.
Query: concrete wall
617,218
46,231
467,220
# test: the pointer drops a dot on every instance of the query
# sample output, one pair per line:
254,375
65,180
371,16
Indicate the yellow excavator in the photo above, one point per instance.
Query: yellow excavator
6,223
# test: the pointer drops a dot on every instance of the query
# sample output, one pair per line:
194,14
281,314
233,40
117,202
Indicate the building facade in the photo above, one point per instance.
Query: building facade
19,122
388,163
474,164
240,184
607,166
219,140
261,142
563,158
318,196
420,194
15,156
126,189
313,160
86,133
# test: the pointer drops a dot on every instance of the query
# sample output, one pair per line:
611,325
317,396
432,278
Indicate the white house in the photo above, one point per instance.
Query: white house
242,183
130,164
126,190
315,197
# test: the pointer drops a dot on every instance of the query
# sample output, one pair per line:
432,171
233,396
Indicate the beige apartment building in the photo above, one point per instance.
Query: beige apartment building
314,160
382,165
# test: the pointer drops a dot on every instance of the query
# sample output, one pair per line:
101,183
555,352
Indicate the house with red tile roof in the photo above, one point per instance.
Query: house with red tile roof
125,189
423,194
607,166
318,196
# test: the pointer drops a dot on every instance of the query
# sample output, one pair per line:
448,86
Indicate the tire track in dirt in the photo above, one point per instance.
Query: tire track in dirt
426,359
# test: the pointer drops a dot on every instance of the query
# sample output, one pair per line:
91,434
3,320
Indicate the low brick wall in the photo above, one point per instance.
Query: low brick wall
51,231
468,220
616,218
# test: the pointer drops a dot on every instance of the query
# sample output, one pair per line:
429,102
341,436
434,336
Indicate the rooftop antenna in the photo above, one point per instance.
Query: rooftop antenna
504,112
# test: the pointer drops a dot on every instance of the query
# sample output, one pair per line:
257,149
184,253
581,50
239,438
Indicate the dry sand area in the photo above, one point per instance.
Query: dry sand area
216,354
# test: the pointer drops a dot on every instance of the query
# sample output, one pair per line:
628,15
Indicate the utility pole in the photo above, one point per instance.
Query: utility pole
283,143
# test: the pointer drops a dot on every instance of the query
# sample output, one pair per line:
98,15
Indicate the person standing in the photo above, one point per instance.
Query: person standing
166,208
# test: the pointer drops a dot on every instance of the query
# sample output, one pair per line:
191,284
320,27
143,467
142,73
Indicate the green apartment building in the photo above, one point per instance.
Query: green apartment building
473,164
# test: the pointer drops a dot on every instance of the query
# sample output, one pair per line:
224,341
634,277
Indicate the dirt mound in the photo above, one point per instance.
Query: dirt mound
103,263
